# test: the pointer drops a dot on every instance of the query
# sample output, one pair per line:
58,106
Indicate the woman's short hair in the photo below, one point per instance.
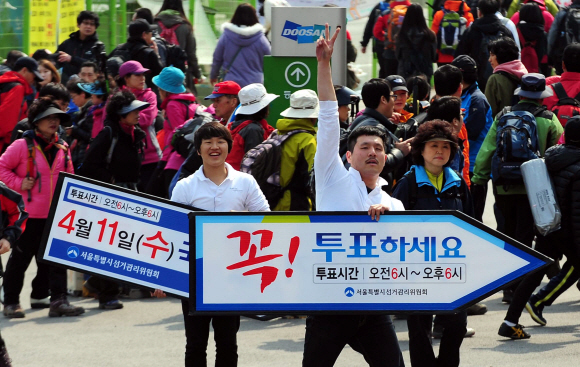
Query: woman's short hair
504,49
427,131
57,90
445,108
210,130
245,15
117,102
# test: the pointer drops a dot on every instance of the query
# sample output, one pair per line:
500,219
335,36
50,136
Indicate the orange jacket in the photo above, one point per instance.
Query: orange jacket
452,5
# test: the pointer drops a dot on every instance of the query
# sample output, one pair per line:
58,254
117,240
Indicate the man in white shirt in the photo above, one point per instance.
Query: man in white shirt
359,189
215,187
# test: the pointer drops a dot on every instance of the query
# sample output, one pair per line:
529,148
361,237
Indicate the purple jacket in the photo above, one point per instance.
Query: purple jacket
248,66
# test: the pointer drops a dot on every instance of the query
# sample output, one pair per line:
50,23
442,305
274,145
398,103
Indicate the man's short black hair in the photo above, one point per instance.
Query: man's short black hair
72,87
144,13
12,57
447,80
373,90
571,57
488,7
88,15
57,90
91,64
366,131
212,130
504,49
423,87
445,108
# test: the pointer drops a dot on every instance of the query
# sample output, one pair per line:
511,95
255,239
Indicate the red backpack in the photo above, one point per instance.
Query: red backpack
529,56
567,107
168,34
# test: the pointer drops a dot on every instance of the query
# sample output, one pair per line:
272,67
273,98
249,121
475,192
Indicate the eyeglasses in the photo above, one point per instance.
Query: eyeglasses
394,97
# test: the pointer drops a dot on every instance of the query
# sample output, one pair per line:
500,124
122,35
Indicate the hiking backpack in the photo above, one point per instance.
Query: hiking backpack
168,33
124,53
394,23
182,140
264,162
451,29
176,57
566,107
516,143
529,56
572,26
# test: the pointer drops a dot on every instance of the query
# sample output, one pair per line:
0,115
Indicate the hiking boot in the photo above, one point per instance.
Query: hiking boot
513,332
508,296
13,311
476,309
111,305
62,307
40,303
5,360
536,313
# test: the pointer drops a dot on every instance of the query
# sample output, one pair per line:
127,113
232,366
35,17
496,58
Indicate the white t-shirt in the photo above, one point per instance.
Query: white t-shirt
339,189
239,191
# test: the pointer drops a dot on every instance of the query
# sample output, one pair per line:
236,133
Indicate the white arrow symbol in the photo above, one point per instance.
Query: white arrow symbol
297,72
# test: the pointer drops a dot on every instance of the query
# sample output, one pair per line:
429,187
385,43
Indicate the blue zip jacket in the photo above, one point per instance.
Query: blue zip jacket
478,119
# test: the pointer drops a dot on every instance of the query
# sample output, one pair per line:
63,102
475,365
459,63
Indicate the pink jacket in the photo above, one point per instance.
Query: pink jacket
175,161
13,169
175,116
147,124
98,121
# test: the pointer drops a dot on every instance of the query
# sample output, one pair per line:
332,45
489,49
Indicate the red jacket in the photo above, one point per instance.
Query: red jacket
246,135
13,106
571,83
452,5
383,22
13,170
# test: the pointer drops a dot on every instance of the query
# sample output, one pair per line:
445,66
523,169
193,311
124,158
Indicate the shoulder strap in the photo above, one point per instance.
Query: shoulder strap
560,91
233,59
114,140
31,164
413,189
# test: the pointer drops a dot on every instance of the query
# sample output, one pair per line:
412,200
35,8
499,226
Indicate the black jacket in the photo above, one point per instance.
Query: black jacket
125,161
368,32
417,193
81,131
416,53
563,163
471,43
395,157
80,51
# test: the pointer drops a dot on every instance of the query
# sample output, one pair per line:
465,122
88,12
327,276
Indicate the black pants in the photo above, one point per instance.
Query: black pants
47,277
168,175
420,349
373,336
145,174
551,246
518,222
557,285
197,334
107,290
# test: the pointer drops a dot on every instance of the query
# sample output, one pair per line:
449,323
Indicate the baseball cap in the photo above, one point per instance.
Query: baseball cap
138,26
224,88
465,63
131,67
397,83
30,64
343,96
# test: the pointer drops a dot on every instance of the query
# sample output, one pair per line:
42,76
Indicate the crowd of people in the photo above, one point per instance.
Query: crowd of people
132,118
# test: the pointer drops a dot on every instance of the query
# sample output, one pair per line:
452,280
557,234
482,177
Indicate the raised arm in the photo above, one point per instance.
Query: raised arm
324,49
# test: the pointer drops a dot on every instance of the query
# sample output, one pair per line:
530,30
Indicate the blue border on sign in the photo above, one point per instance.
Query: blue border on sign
168,278
533,263
169,218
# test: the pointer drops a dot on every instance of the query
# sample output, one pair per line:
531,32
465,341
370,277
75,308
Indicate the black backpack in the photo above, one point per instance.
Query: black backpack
124,52
182,140
176,57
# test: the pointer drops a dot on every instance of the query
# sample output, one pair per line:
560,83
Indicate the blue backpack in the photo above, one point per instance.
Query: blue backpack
516,143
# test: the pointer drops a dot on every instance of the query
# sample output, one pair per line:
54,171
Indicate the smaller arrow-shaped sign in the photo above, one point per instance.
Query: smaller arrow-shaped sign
298,72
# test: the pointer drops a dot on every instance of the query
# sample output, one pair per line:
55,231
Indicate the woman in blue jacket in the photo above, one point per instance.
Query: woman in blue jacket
432,185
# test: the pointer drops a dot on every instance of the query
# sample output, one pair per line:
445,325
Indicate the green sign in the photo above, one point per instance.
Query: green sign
284,76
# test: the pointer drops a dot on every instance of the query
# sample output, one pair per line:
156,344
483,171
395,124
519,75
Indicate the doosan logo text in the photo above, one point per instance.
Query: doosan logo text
302,34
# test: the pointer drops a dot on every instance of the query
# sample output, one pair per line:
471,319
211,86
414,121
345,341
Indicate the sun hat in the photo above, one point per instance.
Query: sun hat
96,88
63,116
253,98
135,105
303,105
131,67
170,80
224,88
533,85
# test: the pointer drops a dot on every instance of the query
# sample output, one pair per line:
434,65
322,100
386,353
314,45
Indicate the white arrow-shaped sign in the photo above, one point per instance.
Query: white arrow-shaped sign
432,261
298,73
